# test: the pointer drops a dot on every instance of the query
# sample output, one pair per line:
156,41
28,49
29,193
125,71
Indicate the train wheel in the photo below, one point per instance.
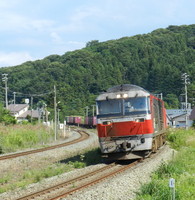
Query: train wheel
164,138
161,140
154,145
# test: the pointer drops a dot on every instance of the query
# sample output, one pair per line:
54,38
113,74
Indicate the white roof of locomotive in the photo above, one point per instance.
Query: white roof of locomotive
130,90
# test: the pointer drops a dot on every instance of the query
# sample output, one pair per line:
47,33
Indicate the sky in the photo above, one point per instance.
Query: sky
34,29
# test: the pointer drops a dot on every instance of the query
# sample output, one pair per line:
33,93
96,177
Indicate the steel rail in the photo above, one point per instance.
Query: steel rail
95,181
66,183
84,136
85,176
82,177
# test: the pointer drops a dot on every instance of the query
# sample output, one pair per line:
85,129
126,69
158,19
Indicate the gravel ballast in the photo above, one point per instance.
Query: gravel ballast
123,186
18,166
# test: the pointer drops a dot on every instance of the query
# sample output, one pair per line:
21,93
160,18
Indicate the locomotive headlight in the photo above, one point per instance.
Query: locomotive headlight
118,96
139,120
121,95
106,123
125,95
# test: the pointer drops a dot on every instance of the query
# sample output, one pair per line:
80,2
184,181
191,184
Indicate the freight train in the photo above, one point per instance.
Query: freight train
131,122
89,121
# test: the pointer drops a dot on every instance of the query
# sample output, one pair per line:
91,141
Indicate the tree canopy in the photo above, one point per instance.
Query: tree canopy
154,61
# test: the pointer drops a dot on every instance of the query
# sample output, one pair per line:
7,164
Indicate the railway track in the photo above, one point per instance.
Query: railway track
68,187
84,136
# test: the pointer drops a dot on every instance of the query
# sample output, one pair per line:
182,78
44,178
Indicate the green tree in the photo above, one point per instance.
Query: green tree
172,101
154,61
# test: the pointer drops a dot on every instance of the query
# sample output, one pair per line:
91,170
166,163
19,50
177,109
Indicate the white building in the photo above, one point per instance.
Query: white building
20,111
177,117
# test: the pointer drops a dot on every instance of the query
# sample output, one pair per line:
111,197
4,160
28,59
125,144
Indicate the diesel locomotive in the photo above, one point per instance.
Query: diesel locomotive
131,122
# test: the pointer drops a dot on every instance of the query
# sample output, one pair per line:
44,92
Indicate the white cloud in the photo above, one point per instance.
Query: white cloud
41,24
8,4
56,38
82,19
76,43
15,22
85,12
25,41
14,58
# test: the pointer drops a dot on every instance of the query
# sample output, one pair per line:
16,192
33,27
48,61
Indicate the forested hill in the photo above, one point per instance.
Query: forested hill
154,61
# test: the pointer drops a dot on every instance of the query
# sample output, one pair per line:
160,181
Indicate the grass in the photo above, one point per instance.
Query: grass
182,169
18,137
82,160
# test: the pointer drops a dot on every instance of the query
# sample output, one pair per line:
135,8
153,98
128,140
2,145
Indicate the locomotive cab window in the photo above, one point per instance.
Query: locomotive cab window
109,107
138,105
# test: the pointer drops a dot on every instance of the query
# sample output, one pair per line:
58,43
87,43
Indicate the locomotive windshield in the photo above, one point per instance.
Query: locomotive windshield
109,107
130,106
135,105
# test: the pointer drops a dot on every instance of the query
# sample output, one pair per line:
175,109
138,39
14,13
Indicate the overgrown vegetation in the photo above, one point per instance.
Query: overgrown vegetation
88,157
5,116
181,168
17,137
154,61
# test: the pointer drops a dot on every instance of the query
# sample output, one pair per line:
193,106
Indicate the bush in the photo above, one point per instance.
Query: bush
5,116
193,125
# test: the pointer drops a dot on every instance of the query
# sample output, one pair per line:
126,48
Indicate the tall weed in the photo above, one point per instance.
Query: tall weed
181,168
178,137
19,137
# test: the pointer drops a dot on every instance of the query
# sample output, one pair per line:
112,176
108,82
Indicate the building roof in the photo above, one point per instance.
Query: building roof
174,113
178,116
17,107
35,114
192,114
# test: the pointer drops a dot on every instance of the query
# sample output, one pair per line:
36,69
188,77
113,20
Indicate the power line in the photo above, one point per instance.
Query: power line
34,95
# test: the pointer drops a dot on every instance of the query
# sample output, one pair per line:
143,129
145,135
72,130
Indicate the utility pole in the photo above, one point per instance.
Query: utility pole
46,113
58,116
14,102
93,109
31,108
55,113
5,80
87,108
185,78
160,95
14,97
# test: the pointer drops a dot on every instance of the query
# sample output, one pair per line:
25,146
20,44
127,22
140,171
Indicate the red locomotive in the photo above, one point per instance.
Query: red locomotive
131,122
